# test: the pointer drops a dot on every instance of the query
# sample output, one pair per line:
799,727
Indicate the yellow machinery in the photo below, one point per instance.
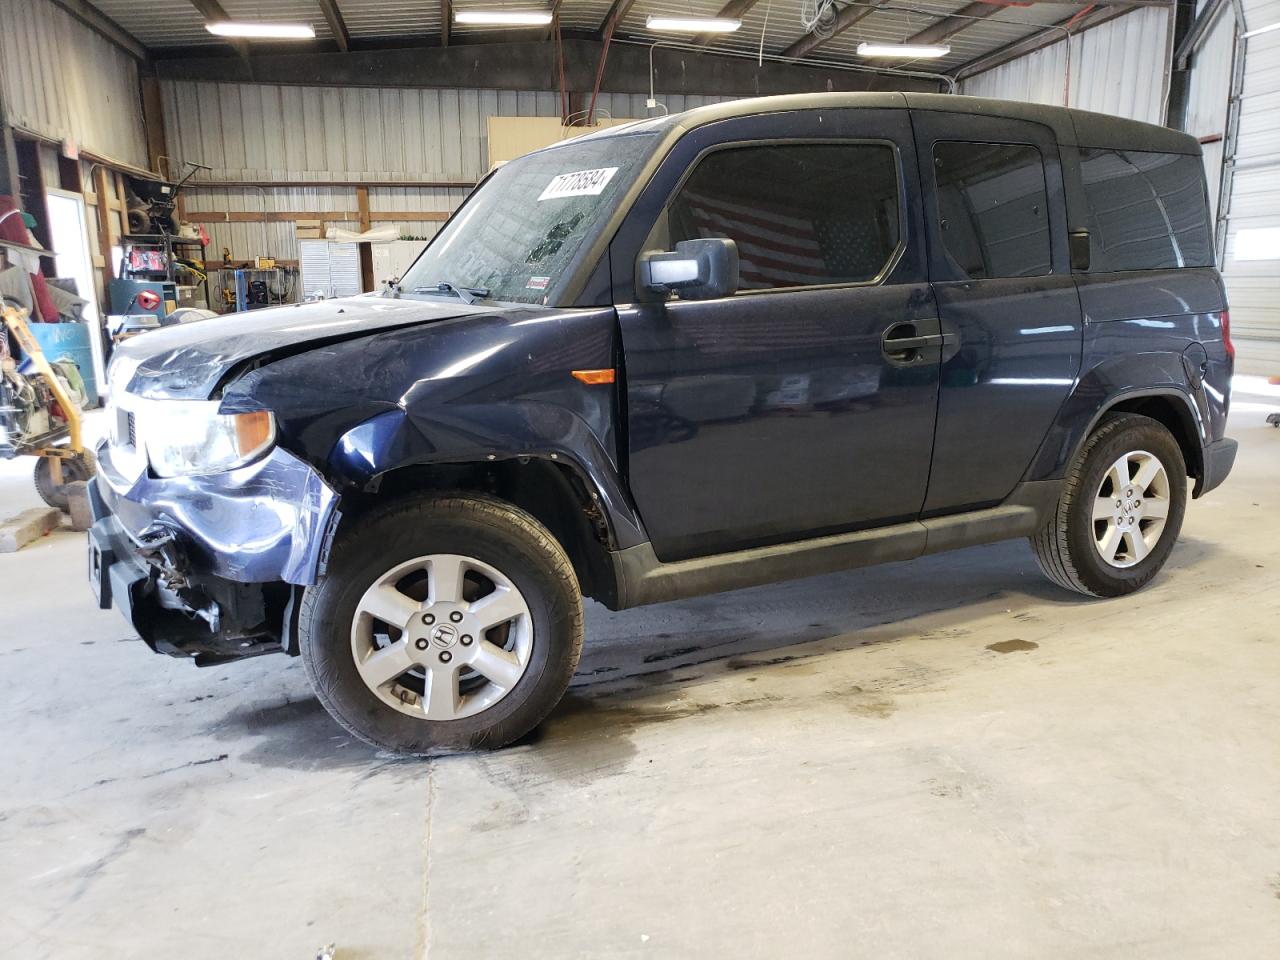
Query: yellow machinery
40,417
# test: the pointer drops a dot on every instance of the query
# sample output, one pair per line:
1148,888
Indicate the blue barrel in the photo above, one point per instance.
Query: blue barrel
68,341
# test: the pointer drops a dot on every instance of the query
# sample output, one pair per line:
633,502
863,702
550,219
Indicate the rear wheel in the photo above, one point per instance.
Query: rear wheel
1120,511
80,467
448,623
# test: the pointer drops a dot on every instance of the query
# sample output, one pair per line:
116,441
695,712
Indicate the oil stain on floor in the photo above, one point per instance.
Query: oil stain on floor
1009,646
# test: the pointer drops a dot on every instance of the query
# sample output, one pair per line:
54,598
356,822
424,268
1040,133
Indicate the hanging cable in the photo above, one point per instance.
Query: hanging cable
818,17
763,30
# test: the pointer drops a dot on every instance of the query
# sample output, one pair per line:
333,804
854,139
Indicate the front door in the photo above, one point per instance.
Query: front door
786,411
995,213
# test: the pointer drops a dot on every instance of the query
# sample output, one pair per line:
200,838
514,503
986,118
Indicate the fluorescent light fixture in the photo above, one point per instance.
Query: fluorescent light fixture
693,24
261,31
503,18
907,51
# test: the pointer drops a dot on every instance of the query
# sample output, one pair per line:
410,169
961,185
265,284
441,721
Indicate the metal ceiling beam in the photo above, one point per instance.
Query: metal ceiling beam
1041,39
952,24
845,19
96,20
967,16
1196,34
733,10
212,12
555,20
617,13
337,26
446,21
525,65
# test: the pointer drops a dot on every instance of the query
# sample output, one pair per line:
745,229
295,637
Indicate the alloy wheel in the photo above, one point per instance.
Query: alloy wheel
1130,509
442,637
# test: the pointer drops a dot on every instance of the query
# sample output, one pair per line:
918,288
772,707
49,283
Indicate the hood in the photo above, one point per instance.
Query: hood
190,360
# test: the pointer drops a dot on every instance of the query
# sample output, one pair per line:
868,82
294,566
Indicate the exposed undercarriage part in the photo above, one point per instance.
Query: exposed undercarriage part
177,609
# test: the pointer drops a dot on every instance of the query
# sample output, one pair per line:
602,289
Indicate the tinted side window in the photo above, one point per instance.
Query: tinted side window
801,215
1147,211
993,208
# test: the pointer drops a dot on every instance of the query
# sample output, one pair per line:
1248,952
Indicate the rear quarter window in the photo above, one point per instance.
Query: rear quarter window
1147,211
993,209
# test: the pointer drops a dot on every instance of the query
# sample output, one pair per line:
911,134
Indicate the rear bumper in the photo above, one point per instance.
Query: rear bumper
1219,457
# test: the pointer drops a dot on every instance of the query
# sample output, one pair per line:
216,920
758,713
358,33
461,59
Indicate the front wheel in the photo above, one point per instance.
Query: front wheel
442,624
1120,510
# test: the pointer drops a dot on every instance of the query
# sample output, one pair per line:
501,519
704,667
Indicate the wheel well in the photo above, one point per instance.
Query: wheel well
1173,414
555,494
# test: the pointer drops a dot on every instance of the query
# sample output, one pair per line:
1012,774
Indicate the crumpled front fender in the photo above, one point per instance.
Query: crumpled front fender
397,439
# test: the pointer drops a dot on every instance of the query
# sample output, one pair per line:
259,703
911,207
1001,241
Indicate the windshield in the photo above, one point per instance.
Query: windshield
518,237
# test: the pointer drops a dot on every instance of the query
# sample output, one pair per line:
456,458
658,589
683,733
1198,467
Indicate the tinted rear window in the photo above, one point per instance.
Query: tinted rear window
1147,211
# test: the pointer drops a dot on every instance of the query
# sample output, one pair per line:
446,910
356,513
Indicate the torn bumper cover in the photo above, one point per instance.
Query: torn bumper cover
203,566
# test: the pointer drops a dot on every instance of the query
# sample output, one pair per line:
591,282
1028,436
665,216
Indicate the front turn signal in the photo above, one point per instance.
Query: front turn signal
594,377
253,431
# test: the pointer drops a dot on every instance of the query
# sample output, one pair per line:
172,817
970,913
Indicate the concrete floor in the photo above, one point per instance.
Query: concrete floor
943,758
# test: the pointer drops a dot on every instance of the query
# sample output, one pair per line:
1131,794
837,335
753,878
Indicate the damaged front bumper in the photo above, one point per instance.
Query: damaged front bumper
209,567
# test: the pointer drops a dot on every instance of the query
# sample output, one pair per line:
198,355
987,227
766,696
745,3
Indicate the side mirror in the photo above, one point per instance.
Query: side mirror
698,269
1078,247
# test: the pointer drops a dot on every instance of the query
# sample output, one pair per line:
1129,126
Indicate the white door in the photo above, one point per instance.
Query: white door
69,236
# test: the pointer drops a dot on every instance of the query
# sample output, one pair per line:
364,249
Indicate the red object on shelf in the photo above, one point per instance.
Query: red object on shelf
15,231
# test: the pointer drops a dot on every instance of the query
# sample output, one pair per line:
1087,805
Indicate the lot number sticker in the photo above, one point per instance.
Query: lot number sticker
583,183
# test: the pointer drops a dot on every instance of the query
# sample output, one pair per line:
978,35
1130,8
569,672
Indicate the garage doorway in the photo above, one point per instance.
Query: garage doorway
69,239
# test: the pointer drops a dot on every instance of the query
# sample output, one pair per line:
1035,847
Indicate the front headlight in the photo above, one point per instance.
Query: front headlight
183,437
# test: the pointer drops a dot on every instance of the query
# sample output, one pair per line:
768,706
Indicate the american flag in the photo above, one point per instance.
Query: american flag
777,249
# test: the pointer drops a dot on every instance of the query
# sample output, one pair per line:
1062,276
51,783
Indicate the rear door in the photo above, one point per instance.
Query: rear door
781,413
996,222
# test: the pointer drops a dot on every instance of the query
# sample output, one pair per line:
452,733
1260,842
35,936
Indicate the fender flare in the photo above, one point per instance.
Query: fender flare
389,441
1187,404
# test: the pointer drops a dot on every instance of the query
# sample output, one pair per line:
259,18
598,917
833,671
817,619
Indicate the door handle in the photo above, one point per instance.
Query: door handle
903,344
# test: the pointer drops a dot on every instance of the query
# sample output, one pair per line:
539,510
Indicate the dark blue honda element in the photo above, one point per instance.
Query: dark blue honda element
762,339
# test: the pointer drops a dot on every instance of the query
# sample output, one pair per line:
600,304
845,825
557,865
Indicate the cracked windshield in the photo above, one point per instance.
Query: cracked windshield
518,236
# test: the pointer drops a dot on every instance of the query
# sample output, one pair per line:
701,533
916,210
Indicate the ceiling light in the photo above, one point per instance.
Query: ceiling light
693,24
504,18
905,50
261,31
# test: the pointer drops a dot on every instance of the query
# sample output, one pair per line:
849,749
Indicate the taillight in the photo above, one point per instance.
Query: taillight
1226,335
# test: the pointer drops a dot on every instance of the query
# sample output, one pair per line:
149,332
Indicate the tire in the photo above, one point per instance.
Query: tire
1069,549
81,467
491,543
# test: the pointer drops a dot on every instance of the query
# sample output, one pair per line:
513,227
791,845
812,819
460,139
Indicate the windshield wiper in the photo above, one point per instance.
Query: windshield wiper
465,294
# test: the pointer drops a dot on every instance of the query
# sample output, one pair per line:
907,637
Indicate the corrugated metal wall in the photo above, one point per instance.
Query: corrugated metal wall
1254,285
1118,68
272,133
61,78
